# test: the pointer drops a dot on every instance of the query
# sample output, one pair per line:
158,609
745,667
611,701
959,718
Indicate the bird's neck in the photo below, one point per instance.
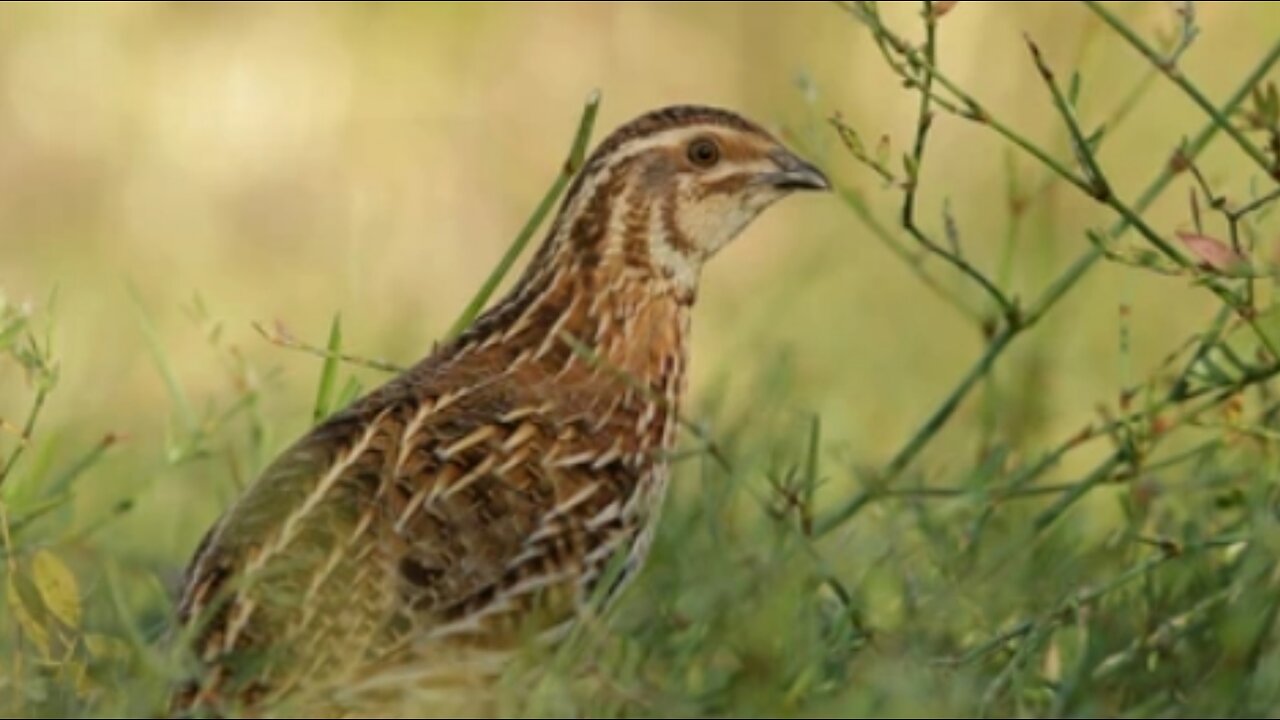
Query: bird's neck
599,322
595,335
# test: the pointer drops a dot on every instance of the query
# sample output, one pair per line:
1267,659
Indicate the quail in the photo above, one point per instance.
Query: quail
514,474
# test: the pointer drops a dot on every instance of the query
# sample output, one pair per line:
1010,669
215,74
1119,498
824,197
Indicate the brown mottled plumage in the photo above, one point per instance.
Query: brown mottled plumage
409,538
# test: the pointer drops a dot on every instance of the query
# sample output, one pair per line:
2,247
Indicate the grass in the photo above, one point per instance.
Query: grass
1128,568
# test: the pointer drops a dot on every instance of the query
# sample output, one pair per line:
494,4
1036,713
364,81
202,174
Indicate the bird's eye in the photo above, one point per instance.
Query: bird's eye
704,152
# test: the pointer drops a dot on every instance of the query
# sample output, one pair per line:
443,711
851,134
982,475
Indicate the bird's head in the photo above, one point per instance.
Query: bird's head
671,188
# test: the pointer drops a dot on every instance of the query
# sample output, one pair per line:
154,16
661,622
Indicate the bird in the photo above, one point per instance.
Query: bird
509,480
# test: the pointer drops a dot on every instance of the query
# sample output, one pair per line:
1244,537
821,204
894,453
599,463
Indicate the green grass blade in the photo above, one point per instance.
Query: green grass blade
176,392
577,154
329,371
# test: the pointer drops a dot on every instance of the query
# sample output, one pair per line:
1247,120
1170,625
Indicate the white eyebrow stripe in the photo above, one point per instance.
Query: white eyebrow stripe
671,136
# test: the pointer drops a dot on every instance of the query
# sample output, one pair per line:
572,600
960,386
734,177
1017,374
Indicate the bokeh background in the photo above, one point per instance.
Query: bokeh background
286,162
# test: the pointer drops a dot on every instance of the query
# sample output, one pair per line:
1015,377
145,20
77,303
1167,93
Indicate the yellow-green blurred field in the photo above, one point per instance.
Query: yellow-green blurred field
289,162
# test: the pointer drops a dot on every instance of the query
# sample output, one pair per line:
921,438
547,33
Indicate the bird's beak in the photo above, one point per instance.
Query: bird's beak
794,173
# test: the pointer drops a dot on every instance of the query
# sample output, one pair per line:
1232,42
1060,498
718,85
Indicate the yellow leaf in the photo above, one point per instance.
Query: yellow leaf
80,677
33,630
57,587
105,647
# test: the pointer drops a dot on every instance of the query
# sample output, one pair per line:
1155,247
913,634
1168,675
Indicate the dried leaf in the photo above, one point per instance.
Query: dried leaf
27,623
57,587
942,7
1213,252
1052,664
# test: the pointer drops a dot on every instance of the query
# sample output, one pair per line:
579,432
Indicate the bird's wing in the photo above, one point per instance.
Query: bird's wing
261,596
412,517
524,510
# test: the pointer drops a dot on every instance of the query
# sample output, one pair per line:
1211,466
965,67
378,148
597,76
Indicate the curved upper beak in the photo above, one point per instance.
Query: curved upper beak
795,173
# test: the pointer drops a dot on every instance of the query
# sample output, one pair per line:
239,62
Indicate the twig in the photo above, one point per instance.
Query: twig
972,109
1252,206
1164,633
1178,393
37,360
1172,71
1096,182
913,260
1055,291
987,646
1015,490
1100,190
1234,218
915,162
1065,609
283,338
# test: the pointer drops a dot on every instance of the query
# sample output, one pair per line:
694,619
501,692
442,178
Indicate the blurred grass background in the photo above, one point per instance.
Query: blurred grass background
286,162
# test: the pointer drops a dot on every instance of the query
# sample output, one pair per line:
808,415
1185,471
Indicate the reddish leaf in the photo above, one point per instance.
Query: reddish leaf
943,7
1214,253
1183,8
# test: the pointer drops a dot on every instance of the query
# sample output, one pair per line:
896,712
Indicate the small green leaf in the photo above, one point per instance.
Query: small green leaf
882,151
852,140
10,332
78,673
1096,137
910,167
57,587
1073,89
349,393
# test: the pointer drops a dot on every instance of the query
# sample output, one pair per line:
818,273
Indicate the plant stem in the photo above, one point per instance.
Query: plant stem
1102,193
924,121
1056,290
1171,70
283,338
24,440
913,261
973,110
